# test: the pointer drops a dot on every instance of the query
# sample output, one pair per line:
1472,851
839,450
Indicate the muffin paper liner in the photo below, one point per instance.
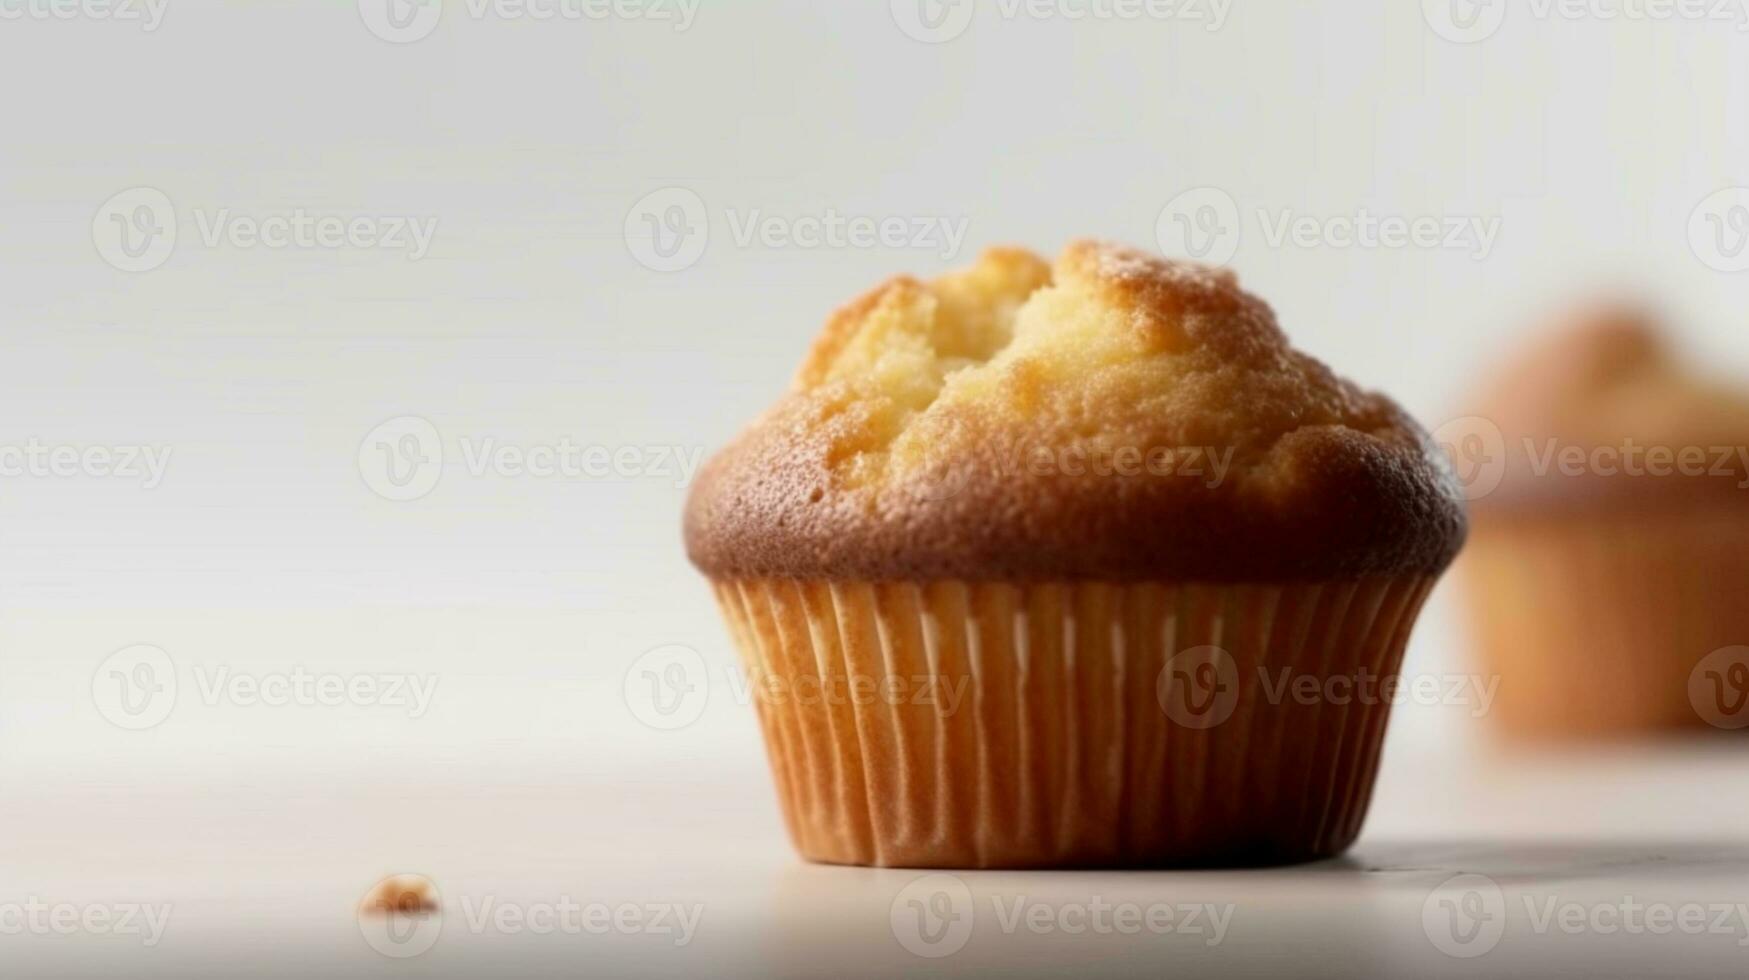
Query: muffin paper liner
981,725
1596,626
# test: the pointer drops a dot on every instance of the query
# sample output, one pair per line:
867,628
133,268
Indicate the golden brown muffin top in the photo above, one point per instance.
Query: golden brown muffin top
1115,416
1599,410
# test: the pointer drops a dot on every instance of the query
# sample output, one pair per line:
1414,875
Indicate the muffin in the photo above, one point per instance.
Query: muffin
1048,566
1612,536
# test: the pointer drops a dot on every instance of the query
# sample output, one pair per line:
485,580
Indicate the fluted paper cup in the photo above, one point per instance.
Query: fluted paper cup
1600,628
963,724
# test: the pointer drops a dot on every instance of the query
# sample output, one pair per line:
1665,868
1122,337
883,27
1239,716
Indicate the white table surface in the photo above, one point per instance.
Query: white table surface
263,871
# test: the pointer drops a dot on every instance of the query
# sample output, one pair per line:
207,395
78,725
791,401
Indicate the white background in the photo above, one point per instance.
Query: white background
1591,140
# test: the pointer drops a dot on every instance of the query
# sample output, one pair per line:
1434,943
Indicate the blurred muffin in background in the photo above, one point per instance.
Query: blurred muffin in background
1610,550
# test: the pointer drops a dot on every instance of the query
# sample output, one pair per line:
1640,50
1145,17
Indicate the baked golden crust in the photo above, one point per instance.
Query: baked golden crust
1117,416
1599,412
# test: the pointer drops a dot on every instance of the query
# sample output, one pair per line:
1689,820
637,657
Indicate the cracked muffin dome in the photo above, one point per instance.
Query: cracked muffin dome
1115,416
